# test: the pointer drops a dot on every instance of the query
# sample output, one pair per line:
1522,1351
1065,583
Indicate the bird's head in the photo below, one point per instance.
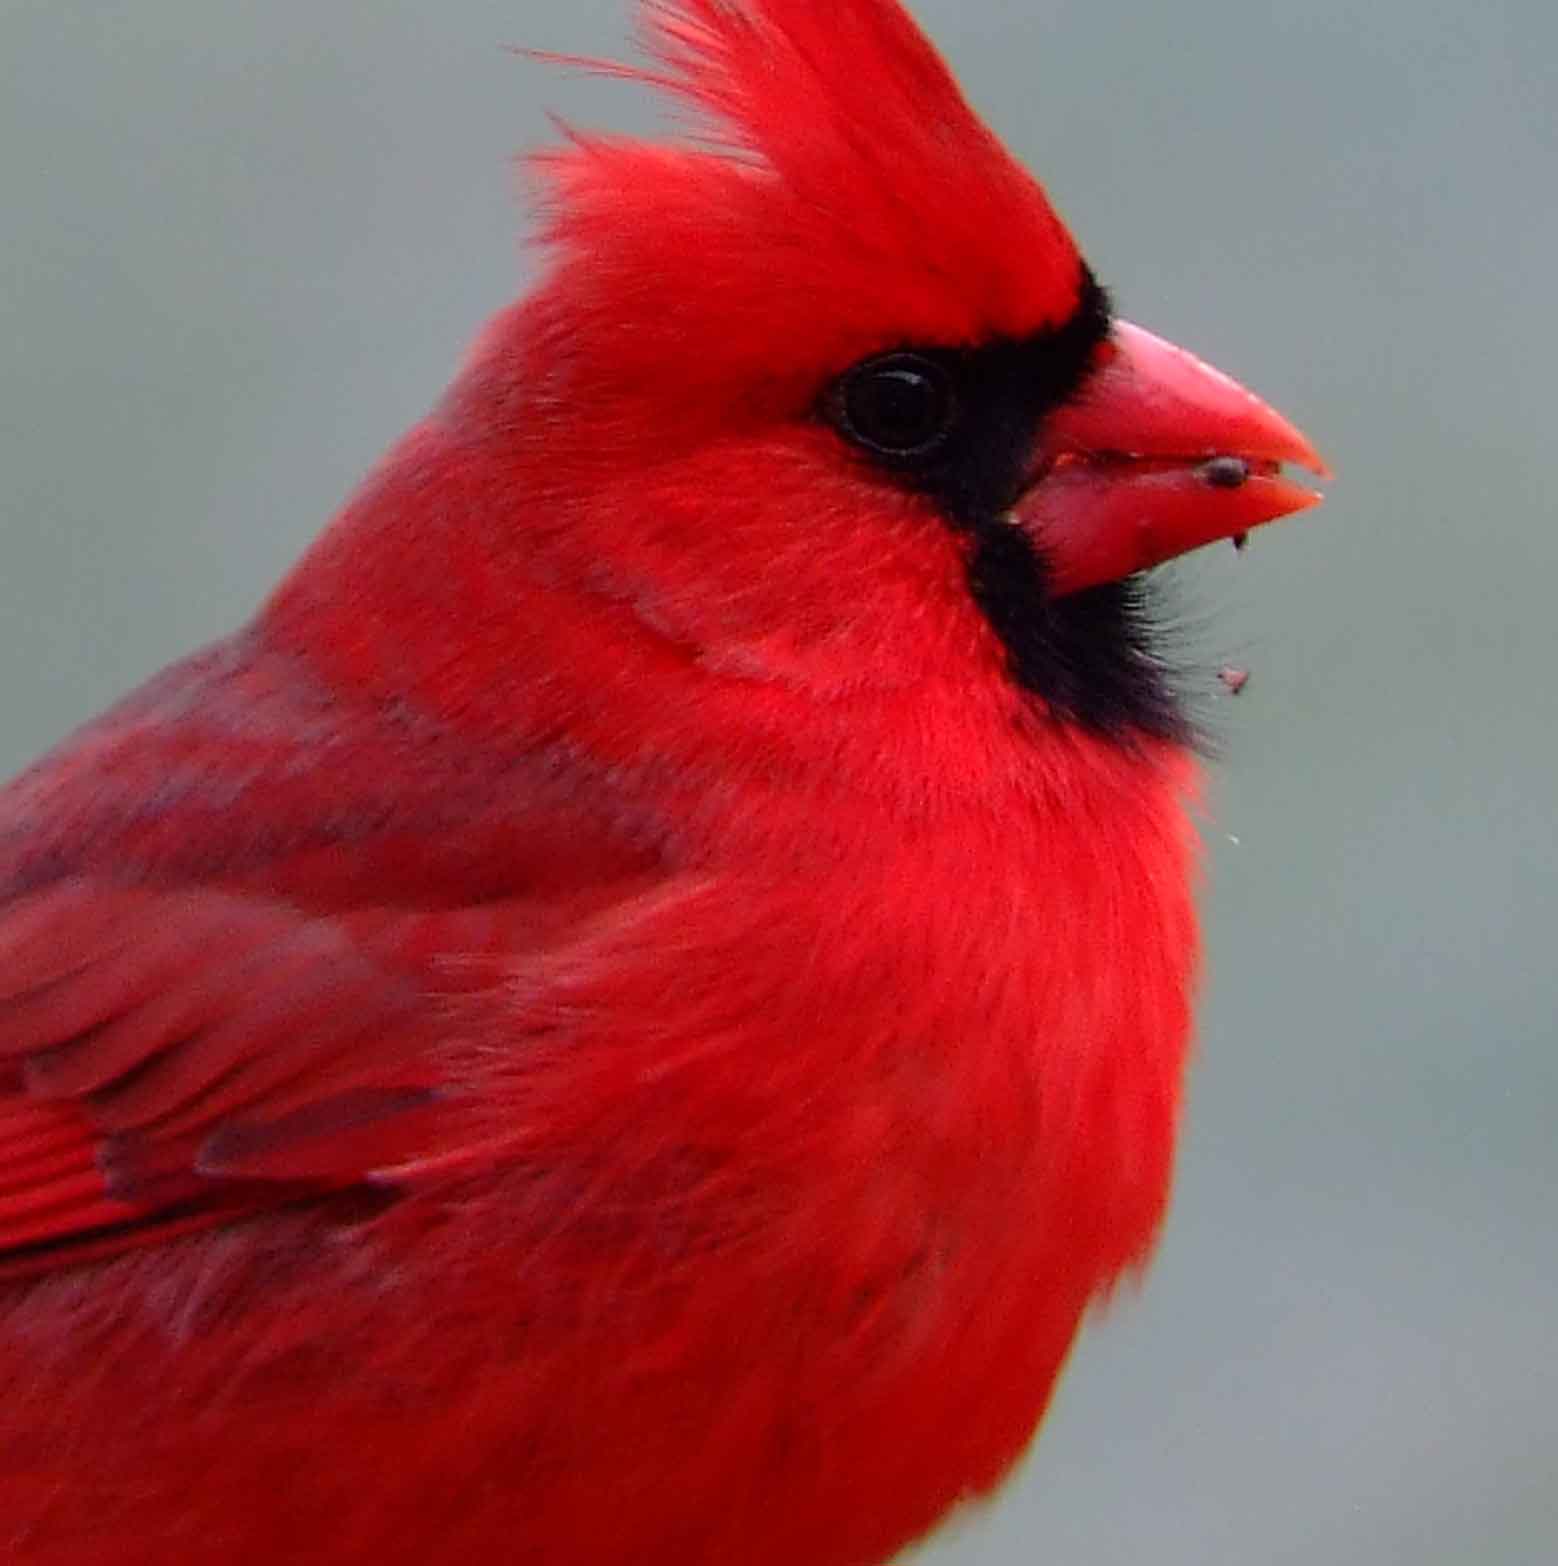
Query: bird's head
829,395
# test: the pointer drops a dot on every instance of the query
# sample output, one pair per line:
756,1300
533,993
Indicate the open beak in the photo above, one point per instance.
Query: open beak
1158,455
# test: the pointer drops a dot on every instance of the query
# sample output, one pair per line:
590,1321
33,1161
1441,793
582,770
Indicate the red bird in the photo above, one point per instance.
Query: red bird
626,1017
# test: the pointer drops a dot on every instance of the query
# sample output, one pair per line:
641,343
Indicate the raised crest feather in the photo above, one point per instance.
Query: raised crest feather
832,131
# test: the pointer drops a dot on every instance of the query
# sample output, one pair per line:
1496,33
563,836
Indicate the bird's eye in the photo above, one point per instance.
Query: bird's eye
899,405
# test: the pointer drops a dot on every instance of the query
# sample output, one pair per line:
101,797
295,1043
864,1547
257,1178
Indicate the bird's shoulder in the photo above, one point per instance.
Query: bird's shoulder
240,915
239,766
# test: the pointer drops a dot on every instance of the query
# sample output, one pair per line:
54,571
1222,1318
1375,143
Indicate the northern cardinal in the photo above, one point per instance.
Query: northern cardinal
626,1017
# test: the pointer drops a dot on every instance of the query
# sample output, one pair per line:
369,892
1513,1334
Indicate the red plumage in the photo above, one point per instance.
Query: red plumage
607,1025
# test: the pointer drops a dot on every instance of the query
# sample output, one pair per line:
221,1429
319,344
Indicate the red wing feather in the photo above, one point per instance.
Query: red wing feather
169,1051
239,914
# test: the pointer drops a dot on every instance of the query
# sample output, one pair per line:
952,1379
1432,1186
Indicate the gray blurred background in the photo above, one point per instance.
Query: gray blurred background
243,244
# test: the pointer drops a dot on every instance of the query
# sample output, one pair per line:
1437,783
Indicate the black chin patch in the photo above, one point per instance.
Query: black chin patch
1089,655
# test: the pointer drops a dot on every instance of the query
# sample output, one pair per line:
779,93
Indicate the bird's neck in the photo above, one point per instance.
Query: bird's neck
950,826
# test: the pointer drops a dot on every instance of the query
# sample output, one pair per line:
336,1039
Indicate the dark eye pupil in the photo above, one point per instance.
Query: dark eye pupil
899,405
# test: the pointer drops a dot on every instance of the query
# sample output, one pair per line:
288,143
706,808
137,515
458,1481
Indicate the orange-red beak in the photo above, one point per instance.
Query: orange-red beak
1160,454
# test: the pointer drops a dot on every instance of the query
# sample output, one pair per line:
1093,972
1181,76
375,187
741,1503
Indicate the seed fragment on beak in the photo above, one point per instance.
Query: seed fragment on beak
1224,472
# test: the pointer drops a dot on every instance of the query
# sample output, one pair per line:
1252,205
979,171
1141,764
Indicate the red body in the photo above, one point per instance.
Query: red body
793,1167
604,1027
